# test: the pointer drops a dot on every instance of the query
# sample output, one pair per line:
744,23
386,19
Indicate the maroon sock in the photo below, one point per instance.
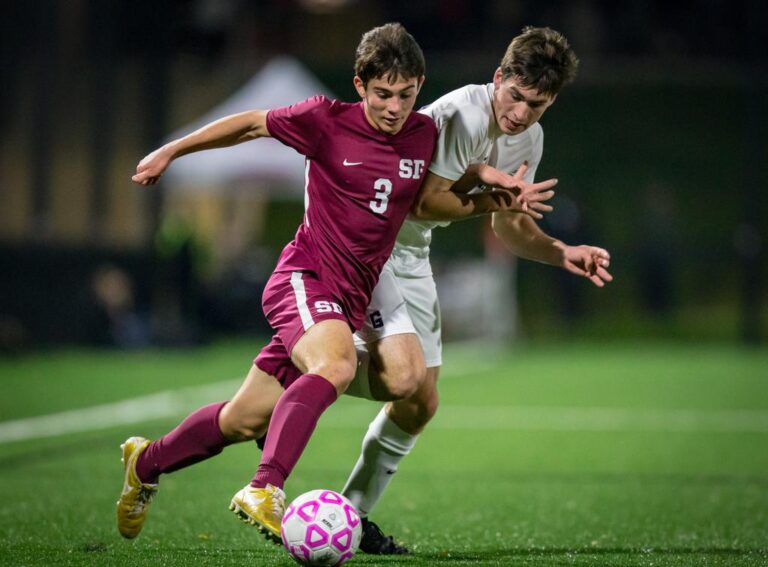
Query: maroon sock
293,421
195,439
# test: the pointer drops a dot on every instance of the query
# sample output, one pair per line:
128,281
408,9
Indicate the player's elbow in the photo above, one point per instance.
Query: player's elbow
503,223
498,224
420,210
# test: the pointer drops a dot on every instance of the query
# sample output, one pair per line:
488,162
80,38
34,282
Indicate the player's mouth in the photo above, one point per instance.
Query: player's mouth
511,124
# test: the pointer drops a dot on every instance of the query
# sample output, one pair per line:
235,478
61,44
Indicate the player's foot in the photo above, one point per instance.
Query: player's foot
136,496
376,543
261,507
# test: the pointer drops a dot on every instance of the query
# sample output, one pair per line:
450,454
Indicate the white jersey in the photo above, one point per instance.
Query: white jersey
468,134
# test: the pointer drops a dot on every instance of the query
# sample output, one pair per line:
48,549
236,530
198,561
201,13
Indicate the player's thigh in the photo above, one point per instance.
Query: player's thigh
397,366
420,295
249,411
327,349
389,337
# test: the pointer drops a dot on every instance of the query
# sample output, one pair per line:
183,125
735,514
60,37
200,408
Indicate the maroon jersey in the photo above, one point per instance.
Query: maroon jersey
360,185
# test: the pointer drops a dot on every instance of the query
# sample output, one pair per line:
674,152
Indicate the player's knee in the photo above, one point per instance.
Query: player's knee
340,372
405,380
238,424
425,406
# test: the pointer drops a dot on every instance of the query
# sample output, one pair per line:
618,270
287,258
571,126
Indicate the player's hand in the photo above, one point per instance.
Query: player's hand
150,168
590,262
530,197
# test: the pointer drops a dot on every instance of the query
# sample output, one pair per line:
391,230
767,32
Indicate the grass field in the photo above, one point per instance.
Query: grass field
585,454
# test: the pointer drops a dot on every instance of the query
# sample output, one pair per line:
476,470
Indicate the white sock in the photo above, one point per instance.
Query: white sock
384,445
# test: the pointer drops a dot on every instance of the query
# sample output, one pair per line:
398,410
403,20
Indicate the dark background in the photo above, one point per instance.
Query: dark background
660,147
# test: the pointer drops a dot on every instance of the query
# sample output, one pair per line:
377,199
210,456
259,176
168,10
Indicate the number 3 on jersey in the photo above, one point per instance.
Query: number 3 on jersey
381,198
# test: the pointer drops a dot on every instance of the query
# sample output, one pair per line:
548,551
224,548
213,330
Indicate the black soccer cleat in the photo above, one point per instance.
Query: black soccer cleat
375,542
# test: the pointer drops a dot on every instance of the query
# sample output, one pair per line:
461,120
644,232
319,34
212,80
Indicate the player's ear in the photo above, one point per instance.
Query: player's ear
359,86
420,83
497,78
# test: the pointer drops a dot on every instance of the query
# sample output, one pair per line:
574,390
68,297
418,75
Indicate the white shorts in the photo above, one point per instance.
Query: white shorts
401,304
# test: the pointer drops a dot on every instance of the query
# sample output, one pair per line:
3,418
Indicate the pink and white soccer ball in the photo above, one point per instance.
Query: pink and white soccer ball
321,527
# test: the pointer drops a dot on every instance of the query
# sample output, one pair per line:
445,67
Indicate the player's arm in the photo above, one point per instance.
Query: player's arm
447,200
524,238
227,131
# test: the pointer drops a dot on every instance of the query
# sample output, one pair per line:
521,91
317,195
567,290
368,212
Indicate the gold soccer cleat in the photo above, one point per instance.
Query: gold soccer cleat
261,507
136,496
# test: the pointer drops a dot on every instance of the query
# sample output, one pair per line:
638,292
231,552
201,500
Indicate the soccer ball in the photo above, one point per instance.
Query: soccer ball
321,527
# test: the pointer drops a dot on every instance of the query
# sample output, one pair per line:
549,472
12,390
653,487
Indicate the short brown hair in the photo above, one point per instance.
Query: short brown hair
541,58
388,50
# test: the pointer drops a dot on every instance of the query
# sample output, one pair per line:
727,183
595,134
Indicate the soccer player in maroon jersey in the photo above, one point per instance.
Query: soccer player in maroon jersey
365,163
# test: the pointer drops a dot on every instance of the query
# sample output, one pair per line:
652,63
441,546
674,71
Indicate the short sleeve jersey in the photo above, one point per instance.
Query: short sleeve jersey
468,134
360,185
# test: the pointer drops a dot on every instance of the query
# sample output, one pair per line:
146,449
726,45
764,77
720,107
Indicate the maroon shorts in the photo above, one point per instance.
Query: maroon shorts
293,302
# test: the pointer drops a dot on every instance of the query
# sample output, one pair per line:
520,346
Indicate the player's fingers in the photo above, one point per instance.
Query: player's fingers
521,170
540,186
539,196
602,252
604,274
541,207
534,215
574,269
597,281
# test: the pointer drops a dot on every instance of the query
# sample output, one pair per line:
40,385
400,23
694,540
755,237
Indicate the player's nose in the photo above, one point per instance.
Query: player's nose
394,105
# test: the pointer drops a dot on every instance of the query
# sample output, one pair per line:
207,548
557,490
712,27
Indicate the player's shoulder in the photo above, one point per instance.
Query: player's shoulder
467,109
470,100
315,106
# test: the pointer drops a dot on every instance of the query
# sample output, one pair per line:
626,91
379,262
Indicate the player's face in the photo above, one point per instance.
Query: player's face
517,107
387,105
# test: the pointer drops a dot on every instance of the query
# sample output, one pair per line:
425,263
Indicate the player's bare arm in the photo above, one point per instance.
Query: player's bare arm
442,199
523,237
227,131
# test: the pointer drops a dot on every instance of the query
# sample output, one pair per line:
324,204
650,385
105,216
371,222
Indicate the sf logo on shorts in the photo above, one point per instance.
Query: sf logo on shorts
327,307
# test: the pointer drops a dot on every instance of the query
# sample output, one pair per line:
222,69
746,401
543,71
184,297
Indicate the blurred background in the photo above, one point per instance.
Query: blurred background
661,148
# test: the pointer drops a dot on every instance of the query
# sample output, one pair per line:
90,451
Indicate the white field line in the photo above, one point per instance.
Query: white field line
164,404
355,414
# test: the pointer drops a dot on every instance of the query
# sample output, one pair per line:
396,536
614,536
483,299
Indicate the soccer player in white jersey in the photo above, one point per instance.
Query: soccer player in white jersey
486,132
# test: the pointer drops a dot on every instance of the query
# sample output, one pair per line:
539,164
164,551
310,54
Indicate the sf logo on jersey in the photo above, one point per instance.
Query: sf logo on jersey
409,169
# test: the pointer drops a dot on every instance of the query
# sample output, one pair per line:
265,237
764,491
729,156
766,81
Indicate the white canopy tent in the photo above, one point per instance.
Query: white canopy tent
274,167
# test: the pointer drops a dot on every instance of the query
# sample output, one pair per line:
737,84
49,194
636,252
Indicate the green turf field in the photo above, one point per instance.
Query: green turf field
585,454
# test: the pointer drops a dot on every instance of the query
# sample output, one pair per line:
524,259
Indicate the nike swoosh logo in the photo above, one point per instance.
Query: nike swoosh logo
348,163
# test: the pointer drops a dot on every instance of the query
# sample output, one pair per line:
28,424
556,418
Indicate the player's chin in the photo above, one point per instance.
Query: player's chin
390,126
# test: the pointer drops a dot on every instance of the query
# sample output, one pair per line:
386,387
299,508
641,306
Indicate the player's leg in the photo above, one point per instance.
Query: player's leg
394,431
201,435
390,359
326,356
247,415
391,436
315,332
